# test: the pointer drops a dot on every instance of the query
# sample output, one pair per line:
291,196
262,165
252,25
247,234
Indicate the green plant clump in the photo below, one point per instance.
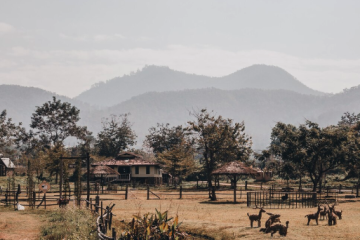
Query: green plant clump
70,223
153,226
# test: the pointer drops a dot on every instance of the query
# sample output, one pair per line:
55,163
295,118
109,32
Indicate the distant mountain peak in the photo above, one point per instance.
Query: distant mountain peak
162,78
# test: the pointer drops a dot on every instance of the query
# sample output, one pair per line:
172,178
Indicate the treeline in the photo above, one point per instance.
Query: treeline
205,143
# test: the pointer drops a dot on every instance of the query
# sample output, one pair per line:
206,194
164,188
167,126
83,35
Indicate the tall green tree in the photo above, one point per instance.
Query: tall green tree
51,124
310,149
219,140
173,149
115,136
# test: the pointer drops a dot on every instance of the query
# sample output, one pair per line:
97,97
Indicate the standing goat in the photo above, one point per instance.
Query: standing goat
255,217
323,213
314,216
331,216
278,228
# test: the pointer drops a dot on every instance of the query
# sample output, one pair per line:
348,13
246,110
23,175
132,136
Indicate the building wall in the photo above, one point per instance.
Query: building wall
154,172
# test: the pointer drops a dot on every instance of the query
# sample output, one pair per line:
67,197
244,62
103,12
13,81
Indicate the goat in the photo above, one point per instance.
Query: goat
255,217
338,213
314,216
272,219
323,213
331,216
278,228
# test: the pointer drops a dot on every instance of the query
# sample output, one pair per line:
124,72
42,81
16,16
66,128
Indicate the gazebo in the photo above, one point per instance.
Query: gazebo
234,170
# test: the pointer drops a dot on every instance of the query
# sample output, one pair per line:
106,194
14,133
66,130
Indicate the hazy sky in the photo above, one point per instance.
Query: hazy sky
66,46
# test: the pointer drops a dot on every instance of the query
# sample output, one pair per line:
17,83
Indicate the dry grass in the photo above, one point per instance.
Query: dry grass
229,221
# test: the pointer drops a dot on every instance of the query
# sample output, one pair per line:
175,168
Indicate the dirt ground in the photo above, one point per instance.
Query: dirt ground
219,220
225,220
22,225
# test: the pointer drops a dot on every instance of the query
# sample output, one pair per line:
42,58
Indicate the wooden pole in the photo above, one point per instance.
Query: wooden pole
235,181
246,186
45,200
148,192
126,192
61,176
88,179
180,192
357,190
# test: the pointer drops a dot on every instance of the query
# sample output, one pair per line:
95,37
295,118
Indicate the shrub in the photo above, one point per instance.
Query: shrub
153,226
70,223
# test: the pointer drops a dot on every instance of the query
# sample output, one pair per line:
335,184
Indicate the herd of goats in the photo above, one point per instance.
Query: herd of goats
272,225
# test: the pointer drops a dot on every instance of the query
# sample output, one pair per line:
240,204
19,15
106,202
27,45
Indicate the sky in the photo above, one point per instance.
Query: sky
67,46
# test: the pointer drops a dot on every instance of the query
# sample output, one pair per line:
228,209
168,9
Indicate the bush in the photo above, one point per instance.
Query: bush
70,223
153,227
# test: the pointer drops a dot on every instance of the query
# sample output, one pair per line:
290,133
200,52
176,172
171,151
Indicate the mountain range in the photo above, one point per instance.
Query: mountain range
162,79
259,95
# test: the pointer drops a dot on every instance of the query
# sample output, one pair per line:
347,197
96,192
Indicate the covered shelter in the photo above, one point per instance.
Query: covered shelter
103,170
234,170
6,166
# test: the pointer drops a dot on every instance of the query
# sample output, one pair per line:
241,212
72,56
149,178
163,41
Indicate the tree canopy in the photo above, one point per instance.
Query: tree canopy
115,136
218,140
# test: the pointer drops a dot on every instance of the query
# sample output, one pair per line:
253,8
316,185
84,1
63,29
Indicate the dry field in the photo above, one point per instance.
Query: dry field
219,220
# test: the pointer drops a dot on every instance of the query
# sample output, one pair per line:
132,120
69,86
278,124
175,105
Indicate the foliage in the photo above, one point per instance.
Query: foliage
153,227
173,149
70,223
115,136
310,149
179,160
219,141
55,121
8,131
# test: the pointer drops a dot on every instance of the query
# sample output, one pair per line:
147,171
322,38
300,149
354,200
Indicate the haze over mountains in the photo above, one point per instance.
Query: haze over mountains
259,95
161,79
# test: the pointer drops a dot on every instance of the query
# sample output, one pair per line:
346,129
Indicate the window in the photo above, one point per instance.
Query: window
147,169
136,169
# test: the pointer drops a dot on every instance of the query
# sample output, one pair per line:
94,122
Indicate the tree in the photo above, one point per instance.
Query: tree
8,131
55,121
311,149
52,123
218,140
115,136
164,138
173,149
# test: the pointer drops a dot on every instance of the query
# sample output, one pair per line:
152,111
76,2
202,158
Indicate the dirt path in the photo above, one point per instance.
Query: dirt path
20,224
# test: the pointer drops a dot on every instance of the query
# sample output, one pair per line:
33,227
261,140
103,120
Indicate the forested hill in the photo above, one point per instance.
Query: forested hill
260,109
161,79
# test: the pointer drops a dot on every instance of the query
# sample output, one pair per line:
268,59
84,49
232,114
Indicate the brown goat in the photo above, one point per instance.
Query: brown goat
274,218
278,228
255,217
332,216
338,213
314,216
323,213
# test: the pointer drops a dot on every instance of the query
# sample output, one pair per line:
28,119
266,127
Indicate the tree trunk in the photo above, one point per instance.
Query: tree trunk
56,177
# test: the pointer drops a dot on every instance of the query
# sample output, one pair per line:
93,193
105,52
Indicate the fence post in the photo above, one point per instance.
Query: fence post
97,202
261,186
34,199
246,186
180,192
148,192
90,204
113,234
357,190
110,220
126,191
45,200
101,210
106,226
340,186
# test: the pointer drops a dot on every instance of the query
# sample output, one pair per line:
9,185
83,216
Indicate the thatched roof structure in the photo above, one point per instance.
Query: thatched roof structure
126,159
234,168
103,170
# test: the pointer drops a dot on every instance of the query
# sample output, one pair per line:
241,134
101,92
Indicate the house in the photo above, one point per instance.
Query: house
133,168
6,166
263,175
